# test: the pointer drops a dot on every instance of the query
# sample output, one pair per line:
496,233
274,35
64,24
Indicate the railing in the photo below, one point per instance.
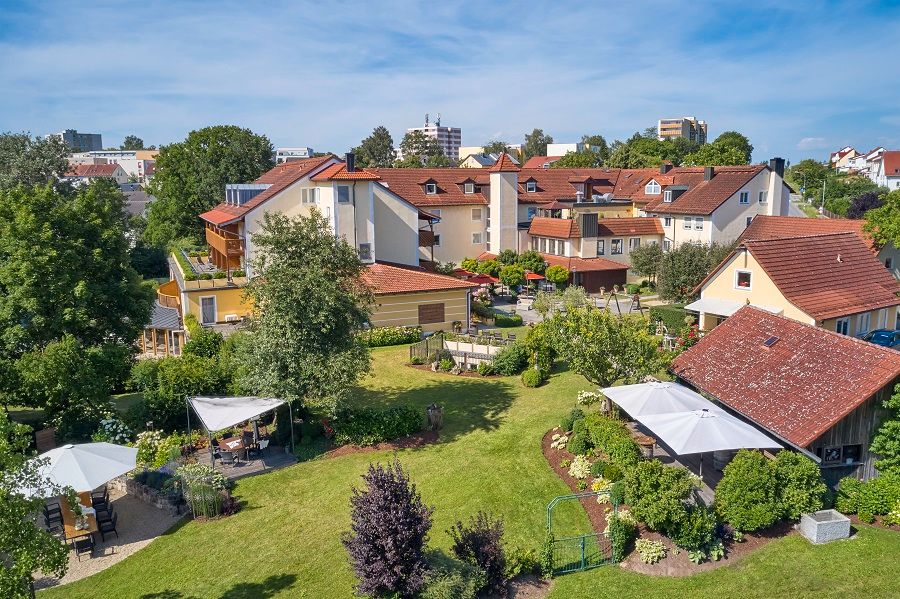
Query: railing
581,552
168,295
224,242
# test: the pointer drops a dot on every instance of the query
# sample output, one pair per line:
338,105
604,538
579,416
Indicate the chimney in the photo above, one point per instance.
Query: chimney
665,167
350,159
579,196
708,173
777,165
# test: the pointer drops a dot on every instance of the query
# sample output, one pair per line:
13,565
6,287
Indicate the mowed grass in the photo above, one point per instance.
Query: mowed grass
286,540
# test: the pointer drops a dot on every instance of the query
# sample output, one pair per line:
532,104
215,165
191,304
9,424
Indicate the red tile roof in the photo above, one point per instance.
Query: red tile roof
560,228
798,388
825,276
409,184
281,177
504,164
892,163
629,226
338,172
92,170
387,279
703,197
540,161
778,227
554,184
583,264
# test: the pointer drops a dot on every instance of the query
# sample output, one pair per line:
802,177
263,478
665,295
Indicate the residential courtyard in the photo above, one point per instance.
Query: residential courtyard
285,541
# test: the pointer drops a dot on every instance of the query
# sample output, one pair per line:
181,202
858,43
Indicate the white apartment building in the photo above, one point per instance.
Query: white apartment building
289,154
137,164
449,138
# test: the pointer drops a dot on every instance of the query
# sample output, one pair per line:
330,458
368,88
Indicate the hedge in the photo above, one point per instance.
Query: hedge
507,320
878,496
613,438
384,336
671,315
368,426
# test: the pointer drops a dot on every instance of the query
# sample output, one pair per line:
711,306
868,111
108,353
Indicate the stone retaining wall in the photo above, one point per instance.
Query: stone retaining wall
149,495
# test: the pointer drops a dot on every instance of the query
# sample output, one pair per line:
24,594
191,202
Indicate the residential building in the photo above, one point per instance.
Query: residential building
482,160
82,174
137,164
887,170
563,149
449,139
840,160
829,280
515,150
289,154
779,227
80,142
873,158
687,127
541,161
817,391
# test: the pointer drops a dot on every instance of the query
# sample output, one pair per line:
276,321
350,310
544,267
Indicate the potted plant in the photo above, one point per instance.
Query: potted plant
81,521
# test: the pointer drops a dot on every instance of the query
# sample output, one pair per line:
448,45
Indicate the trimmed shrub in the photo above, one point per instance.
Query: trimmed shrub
657,495
417,360
486,369
531,378
205,343
613,438
385,336
613,473
511,360
578,444
620,533
671,315
507,320
632,288
617,493
799,485
480,543
746,497
520,562
568,421
219,275
597,468
463,582
388,512
696,530
879,495
368,426
446,364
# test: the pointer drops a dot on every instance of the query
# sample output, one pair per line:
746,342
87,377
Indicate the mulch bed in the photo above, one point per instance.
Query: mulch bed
410,442
854,520
671,565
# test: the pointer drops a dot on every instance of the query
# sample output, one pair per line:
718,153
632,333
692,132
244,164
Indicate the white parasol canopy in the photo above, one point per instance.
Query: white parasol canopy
87,466
699,431
657,397
218,413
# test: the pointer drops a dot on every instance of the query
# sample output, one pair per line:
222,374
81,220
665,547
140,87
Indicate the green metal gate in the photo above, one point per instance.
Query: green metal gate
579,552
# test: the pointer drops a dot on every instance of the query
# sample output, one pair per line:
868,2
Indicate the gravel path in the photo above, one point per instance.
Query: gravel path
138,524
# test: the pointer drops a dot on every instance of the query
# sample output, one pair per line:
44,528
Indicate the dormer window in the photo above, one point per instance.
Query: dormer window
667,196
469,188
431,188
652,188
531,186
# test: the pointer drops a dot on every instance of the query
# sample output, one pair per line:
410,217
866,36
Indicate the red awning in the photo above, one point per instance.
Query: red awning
483,279
533,276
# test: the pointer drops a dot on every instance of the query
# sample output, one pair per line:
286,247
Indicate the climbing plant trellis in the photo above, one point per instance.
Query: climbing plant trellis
577,552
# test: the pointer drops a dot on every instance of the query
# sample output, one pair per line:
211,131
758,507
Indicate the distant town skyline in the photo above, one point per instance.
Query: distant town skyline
799,79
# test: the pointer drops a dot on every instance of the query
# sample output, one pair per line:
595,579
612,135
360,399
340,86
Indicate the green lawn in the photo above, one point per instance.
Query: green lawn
286,539
34,417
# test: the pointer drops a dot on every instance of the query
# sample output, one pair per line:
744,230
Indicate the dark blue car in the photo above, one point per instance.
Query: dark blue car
885,337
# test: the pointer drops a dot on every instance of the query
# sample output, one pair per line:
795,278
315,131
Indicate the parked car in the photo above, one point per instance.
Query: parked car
885,337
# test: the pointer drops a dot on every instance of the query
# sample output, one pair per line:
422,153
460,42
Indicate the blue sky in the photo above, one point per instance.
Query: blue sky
798,78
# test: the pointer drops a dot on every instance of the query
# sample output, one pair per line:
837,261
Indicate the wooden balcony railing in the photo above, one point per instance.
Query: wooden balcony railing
225,242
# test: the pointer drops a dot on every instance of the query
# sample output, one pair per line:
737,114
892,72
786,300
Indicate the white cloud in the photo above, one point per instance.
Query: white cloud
812,143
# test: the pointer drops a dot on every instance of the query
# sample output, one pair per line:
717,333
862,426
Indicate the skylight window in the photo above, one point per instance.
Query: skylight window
771,341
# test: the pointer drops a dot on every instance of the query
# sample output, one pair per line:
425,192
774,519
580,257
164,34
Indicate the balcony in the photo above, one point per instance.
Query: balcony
198,272
169,296
225,242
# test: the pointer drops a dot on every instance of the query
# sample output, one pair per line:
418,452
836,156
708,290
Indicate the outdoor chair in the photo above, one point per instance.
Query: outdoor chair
511,336
100,504
52,507
227,458
53,524
105,514
100,493
263,446
83,544
108,526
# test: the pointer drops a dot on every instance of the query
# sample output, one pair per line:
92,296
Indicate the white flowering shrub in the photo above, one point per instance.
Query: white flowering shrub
112,430
586,398
559,441
147,444
580,467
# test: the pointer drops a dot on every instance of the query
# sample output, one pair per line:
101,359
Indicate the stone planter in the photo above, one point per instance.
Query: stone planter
825,526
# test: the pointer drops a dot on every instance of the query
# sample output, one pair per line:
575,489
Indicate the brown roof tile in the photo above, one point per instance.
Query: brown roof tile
338,172
93,170
387,279
629,226
777,227
703,197
409,184
540,161
892,163
557,183
560,228
583,264
504,164
798,388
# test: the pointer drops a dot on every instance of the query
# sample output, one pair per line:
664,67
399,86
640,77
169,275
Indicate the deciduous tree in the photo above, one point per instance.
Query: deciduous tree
862,203
512,275
132,142
420,150
684,267
557,274
532,261
582,159
496,146
646,260
28,161
536,144
377,150
597,145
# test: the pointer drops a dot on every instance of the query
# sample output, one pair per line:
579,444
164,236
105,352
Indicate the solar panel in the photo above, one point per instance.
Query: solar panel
770,341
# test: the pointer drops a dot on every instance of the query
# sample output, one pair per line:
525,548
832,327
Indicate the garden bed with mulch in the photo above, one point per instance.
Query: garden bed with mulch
878,523
417,440
673,564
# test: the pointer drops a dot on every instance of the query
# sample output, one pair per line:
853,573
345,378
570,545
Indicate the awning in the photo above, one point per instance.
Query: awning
533,276
218,413
722,307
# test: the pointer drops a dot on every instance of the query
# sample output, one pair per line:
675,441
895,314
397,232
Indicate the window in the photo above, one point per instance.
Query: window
543,245
888,263
476,213
309,196
652,188
531,186
431,188
742,279
365,251
698,223
842,325
851,454
667,245
863,323
667,195
343,194
431,313
437,240
634,243
749,220
601,247
882,318
469,188
551,245
667,221
744,197
436,213
476,238
532,211
616,247
208,310
534,243
763,197
687,222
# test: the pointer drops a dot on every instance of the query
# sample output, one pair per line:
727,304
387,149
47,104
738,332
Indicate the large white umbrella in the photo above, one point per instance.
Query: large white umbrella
87,466
657,397
700,431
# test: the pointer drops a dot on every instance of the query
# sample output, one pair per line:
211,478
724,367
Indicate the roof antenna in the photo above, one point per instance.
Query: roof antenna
438,121
426,119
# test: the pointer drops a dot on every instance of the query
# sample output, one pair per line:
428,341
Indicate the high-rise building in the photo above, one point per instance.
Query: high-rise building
688,127
449,138
80,142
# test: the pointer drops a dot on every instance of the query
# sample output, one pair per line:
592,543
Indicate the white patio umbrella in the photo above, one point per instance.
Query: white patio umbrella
657,397
87,466
701,431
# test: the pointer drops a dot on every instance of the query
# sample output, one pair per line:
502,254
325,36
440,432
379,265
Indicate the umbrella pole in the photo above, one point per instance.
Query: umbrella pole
701,469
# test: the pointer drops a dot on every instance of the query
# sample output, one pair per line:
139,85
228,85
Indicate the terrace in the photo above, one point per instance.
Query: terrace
194,270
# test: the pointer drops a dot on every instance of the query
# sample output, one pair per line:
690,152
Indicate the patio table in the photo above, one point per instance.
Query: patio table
69,517
234,444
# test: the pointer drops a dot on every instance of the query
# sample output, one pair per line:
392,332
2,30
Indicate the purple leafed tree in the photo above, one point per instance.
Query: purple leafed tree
862,204
388,531
481,543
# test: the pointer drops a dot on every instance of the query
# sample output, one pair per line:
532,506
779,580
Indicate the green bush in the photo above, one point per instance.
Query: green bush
847,498
239,273
206,343
877,496
696,530
368,426
417,360
385,336
613,438
621,533
613,473
658,494
446,364
531,378
671,315
461,582
578,444
746,497
799,485
219,275
507,320
597,468
632,288
486,369
617,493
205,276
569,420
520,562
511,360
